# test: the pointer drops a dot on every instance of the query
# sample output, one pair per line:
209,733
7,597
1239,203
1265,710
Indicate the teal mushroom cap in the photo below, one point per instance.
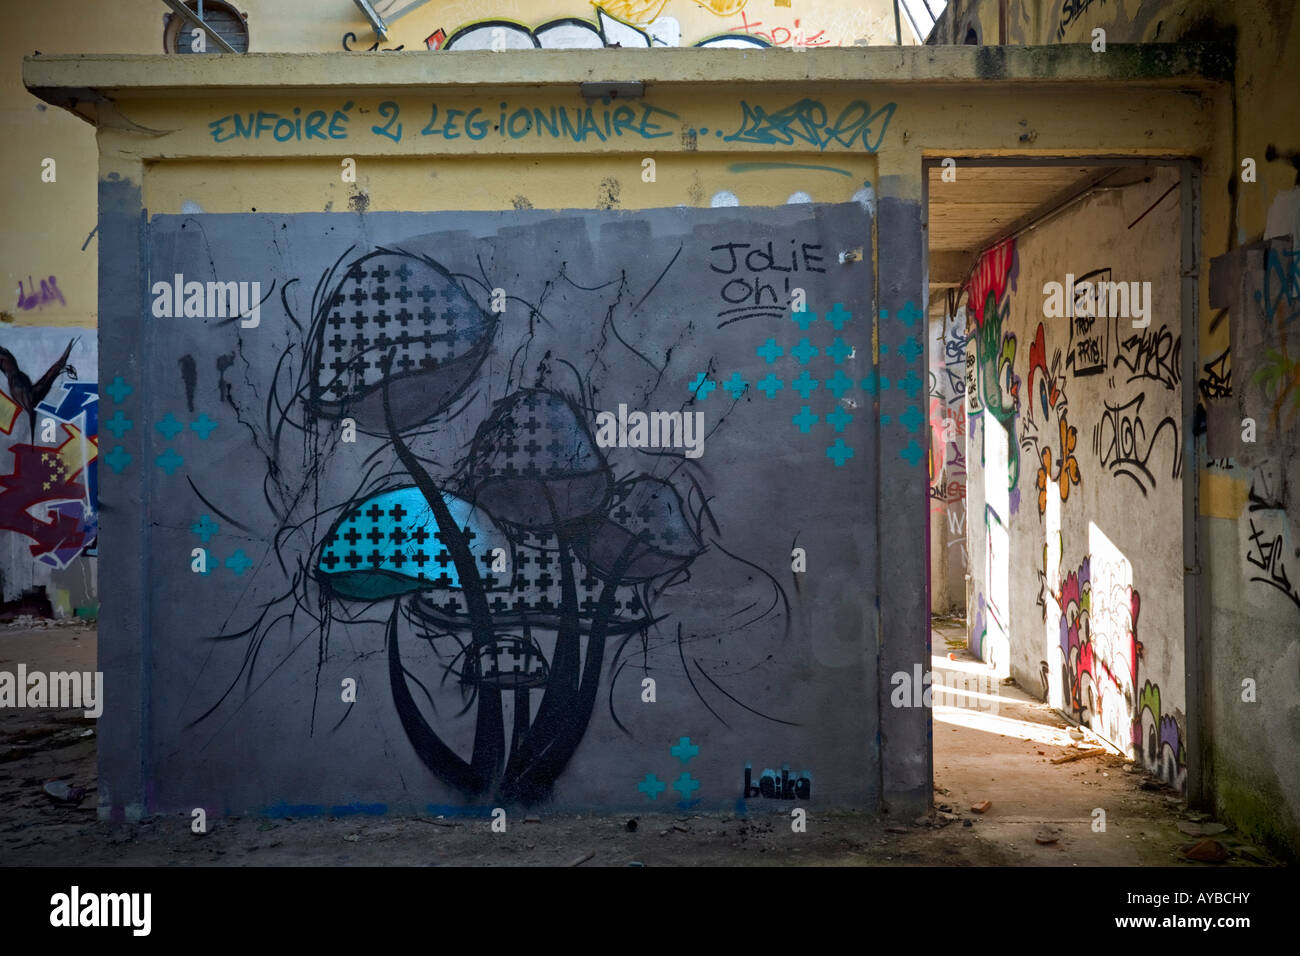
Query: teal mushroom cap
390,544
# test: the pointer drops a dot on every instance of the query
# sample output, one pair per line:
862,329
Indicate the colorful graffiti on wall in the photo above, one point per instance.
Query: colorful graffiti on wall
1049,437
635,24
989,291
48,473
947,452
1100,655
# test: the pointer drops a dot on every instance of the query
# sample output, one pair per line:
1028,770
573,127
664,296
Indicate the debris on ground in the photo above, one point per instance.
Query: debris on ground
1079,755
981,807
1193,828
1046,836
1207,851
583,859
64,793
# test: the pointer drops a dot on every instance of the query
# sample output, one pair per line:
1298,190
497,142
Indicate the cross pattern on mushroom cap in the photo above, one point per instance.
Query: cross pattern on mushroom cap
533,434
389,301
390,543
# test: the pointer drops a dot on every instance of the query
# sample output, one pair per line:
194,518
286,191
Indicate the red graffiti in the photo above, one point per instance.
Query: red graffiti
780,36
40,475
992,276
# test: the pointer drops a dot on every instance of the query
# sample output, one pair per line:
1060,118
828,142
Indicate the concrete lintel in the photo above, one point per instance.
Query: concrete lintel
60,79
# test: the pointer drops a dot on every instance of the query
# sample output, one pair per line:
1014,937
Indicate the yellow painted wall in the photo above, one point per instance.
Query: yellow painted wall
47,224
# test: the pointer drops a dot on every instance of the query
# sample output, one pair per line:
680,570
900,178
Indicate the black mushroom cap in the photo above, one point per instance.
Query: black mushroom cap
534,463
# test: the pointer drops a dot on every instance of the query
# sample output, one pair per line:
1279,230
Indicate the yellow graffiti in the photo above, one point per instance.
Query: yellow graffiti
70,455
723,8
9,412
636,12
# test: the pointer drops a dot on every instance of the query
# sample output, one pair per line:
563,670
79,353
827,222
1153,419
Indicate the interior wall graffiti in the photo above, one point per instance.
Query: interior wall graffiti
1090,409
947,456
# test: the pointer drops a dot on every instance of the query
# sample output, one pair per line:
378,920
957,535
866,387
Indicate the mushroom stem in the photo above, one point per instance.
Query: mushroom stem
435,755
548,748
490,732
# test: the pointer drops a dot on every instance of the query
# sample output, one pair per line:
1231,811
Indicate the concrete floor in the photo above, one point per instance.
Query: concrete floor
996,747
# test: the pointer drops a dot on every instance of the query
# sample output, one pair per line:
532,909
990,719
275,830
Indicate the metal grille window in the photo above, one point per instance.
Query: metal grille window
225,20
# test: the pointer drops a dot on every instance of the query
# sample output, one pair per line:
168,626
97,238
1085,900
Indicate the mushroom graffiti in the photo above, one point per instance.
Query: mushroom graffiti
396,344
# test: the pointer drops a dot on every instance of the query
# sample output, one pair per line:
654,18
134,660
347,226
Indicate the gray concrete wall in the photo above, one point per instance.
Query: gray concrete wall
1076,515
1251,499
238,453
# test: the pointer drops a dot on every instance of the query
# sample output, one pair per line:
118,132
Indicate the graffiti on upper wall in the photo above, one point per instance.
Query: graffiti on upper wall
636,24
989,303
1125,443
574,33
947,451
1049,438
1152,355
855,126
48,484
30,297
1071,10
1090,327
1266,555
1217,380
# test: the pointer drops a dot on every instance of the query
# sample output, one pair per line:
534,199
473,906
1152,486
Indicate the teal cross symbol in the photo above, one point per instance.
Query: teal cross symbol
118,389
203,425
874,381
770,351
910,349
117,459
684,750
652,786
909,313
804,384
838,350
771,385
839,383
805,420
838,316
840,452
702,386
119,424
735,385
686,785
205,528
169,427
804,319
912,419
912,453
838,419
239,562
169,461
805,352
